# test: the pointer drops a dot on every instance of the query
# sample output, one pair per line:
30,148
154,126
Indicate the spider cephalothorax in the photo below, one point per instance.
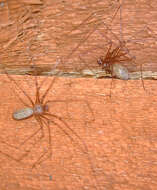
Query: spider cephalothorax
40,109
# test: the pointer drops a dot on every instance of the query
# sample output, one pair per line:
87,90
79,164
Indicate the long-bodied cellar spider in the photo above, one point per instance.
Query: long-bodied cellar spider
39,109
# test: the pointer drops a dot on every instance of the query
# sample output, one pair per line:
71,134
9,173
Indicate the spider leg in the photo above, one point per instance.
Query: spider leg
37,100
30,137
40,160
108,54
47,91
36,132
81,42
25,94
84,149
27,139
142,77
74,100
11,157
50,143
49,132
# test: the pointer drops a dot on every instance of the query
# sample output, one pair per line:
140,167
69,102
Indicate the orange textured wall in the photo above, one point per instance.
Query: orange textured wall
120,134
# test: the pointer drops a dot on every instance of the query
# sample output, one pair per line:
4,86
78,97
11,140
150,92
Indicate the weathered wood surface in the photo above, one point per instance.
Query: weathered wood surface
48,70
45,32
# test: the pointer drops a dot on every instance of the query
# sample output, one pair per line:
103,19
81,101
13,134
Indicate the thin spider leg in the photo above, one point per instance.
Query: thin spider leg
121,52
86,152
21,99
43,81
87,19
47,91
115,59
36,132
82,23
2,141
39,160
53,101
72,100
15,159
37,101
116,55
110,58
11,157
122,60
72,131
50,143
91,16
40,129
46,121
83,61
81,42
108,52
125,58
26,95
49,132
115,13
115,52
121,28
120,42
142,77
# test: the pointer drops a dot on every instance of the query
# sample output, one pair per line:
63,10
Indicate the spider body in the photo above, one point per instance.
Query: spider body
25,113
40,109
111,62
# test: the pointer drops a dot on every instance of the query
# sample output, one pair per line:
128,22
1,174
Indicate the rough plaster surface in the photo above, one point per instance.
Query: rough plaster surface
121,139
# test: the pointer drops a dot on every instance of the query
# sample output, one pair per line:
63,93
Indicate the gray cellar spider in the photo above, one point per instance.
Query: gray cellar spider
39,110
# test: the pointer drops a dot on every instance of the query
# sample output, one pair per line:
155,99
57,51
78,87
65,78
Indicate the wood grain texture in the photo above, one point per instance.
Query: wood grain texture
46,31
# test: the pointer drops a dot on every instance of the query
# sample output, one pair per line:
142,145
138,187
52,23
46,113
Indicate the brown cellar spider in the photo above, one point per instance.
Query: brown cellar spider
111,62
39,109
117,53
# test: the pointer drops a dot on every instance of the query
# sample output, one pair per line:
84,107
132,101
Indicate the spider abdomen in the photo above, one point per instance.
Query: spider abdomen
23,113
120,72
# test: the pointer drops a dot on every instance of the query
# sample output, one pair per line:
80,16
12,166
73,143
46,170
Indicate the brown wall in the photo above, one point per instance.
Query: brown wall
120,132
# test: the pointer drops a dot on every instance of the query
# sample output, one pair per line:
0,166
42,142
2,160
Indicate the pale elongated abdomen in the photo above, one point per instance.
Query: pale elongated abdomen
120,72
23,113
